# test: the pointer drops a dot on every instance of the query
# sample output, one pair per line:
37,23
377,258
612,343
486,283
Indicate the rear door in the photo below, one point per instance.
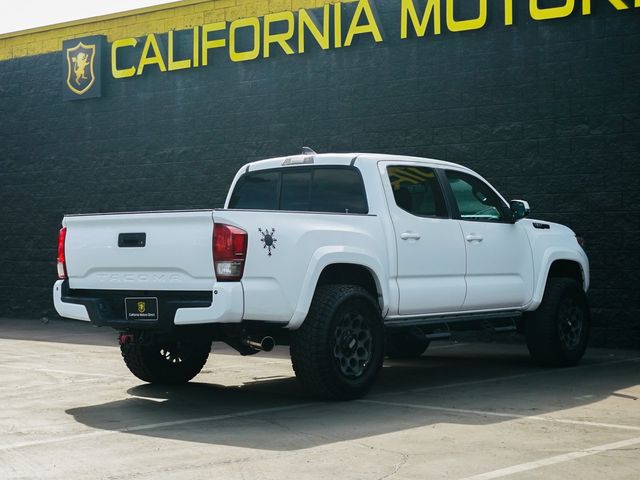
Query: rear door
499,259
431,250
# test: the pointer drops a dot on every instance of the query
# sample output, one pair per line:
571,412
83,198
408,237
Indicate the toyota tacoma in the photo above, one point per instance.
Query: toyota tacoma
346,258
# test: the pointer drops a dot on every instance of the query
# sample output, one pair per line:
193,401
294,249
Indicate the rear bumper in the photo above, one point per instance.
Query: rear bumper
224,304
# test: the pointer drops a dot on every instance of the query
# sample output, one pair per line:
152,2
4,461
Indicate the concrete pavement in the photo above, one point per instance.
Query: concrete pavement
71,409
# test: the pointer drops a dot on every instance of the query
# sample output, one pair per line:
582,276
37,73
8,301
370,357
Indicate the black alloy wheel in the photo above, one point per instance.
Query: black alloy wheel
337,353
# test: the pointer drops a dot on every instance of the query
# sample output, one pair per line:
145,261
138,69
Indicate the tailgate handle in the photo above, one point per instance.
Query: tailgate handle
132,240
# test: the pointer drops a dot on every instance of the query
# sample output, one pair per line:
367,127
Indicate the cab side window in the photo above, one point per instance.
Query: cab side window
475,199
417,191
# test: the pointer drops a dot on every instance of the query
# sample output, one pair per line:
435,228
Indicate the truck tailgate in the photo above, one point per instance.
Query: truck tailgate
140,251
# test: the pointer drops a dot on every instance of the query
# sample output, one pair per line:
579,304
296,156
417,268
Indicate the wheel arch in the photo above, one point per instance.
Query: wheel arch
352,274
560,264
355,268
567,269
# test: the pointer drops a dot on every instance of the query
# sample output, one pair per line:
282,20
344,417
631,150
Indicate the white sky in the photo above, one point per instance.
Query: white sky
24,14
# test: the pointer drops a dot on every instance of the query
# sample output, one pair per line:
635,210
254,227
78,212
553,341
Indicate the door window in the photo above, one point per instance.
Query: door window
476,200
417,191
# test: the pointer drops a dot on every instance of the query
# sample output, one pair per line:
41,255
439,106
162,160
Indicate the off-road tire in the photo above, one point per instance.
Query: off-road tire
406,343
343,323
558,331
168,363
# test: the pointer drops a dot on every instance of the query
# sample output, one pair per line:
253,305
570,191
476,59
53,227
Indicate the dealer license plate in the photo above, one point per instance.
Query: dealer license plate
141,309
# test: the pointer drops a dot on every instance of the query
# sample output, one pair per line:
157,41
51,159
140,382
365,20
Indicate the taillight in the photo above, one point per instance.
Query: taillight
229,252
62,264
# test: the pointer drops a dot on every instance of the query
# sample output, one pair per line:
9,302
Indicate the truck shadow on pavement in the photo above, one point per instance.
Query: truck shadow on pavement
277,414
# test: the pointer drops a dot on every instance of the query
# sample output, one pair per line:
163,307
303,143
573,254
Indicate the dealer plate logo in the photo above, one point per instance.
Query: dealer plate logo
141,309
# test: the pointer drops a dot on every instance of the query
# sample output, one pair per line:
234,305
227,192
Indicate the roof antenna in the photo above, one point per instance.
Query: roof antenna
308,151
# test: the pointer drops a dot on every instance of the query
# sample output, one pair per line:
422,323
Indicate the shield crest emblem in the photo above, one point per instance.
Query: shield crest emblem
142,306
80,71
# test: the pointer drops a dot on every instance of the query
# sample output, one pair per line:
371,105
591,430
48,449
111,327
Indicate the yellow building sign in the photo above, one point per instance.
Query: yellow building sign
326,28
326,33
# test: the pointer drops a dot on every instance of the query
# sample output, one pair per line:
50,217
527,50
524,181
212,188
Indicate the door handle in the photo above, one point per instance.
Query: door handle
410,236
132,240
474,237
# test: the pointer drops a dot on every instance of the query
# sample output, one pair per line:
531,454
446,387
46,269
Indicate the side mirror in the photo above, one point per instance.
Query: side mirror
519,209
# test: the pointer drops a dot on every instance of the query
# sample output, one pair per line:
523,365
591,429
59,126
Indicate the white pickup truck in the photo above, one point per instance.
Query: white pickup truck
346,258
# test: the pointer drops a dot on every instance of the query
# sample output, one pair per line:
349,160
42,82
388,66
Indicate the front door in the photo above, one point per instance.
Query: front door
499,259
431,250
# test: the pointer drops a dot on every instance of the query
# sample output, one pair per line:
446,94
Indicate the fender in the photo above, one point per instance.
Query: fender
330,255
550,255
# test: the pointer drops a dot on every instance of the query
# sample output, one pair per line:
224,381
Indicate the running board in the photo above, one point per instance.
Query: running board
438,336
454,318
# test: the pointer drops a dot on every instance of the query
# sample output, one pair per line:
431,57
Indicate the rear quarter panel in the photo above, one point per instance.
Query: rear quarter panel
279,282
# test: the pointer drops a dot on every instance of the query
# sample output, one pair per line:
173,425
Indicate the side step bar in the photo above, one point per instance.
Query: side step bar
447,320
438,335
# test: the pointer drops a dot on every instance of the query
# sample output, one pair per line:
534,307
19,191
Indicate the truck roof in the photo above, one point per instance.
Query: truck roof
343,159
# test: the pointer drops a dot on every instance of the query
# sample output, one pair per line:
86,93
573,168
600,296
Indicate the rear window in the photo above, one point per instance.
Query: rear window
338,191
317,189
253,190
296,189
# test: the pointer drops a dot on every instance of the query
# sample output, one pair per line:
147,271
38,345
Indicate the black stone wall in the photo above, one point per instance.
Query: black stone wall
547,111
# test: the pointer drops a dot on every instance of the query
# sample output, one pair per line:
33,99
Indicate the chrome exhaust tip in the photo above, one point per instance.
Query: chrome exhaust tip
265,345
